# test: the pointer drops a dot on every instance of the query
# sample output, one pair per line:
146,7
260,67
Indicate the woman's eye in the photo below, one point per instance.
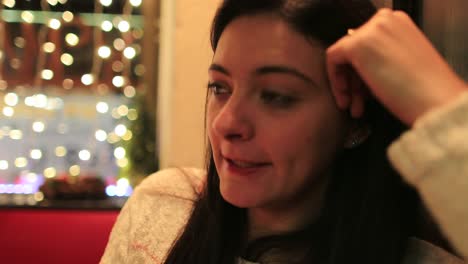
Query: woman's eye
276,99
218,89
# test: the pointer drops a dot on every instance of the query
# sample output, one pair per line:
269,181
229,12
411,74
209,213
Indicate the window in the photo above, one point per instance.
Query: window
74,113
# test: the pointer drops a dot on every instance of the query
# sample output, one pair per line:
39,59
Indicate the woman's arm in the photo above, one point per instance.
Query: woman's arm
402,70
433,157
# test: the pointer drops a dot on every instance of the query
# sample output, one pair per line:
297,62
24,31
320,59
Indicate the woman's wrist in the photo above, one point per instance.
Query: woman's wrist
442,97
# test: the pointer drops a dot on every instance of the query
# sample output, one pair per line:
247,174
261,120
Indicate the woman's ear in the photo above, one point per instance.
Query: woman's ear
358,133
349,90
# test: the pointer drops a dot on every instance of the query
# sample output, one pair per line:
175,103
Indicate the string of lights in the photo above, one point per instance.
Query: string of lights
44,101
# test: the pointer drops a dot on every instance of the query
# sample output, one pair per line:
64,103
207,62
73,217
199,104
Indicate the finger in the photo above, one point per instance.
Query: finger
340,88
337,74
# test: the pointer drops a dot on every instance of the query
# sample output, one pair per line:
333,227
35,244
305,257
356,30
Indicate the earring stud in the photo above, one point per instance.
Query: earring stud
358,138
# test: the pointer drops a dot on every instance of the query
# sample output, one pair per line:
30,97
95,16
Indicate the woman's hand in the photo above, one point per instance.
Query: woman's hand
397,63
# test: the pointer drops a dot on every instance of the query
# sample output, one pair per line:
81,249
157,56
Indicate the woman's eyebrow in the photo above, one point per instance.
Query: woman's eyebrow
268,69
283,70
219,68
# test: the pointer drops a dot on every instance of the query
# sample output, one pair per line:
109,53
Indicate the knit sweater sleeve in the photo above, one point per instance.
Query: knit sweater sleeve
153,217
433,157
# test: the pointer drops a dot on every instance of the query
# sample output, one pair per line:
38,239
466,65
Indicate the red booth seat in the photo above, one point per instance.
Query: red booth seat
54,236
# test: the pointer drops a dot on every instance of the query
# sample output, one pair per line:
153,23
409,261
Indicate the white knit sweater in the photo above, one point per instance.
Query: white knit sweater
432,156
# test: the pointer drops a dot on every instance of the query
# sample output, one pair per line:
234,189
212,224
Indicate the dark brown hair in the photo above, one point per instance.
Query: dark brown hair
368,212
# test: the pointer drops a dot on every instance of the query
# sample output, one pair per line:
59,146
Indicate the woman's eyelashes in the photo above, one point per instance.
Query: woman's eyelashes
219,91
268,97
217,88
276,99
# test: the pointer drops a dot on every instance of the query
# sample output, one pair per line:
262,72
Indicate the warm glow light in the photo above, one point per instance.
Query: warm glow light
11,99
137,33
104,52
122,110
140,70
129,53
52,2
102,89
115,114
87,79
84,155
106,2
129,91
48,47
68,84
21,162
66,59
135,3
60,151
62,1
123,26
4,165
120,130
132,115
19,42
29,101
119,153
112,138
102,107
35,154
47,74
74,170
117,66
67,16
50,172
106,26
39,197
38,126
54,23
119,44
16,134
8,111
38,100
128,136
118,81
72,39
122,163
15,63
27,16
9,3
101,135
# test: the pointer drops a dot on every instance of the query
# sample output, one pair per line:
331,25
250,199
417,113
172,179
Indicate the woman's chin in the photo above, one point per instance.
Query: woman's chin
238,199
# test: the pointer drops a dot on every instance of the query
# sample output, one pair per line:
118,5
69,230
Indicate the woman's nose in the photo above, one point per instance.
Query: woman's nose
233,121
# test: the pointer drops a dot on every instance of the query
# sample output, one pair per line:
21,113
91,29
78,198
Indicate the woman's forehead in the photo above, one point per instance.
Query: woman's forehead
251,42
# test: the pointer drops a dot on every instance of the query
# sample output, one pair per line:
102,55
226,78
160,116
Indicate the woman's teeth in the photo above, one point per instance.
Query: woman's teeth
244,164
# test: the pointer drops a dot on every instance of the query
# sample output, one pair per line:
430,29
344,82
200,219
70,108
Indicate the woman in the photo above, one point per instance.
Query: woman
292,175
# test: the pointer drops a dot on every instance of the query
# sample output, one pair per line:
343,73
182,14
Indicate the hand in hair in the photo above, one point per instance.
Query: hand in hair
398,65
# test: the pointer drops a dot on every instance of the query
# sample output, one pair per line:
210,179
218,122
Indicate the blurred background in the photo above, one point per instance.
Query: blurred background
78,115
97,94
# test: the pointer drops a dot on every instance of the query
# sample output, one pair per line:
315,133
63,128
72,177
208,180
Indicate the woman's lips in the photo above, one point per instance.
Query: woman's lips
243,167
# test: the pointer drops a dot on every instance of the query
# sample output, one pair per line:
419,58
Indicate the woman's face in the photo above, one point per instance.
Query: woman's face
273,125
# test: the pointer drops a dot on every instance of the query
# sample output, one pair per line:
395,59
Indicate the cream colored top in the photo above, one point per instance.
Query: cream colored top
432,156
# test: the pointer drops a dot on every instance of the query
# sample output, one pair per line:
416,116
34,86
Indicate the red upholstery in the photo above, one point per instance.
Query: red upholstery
54,236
